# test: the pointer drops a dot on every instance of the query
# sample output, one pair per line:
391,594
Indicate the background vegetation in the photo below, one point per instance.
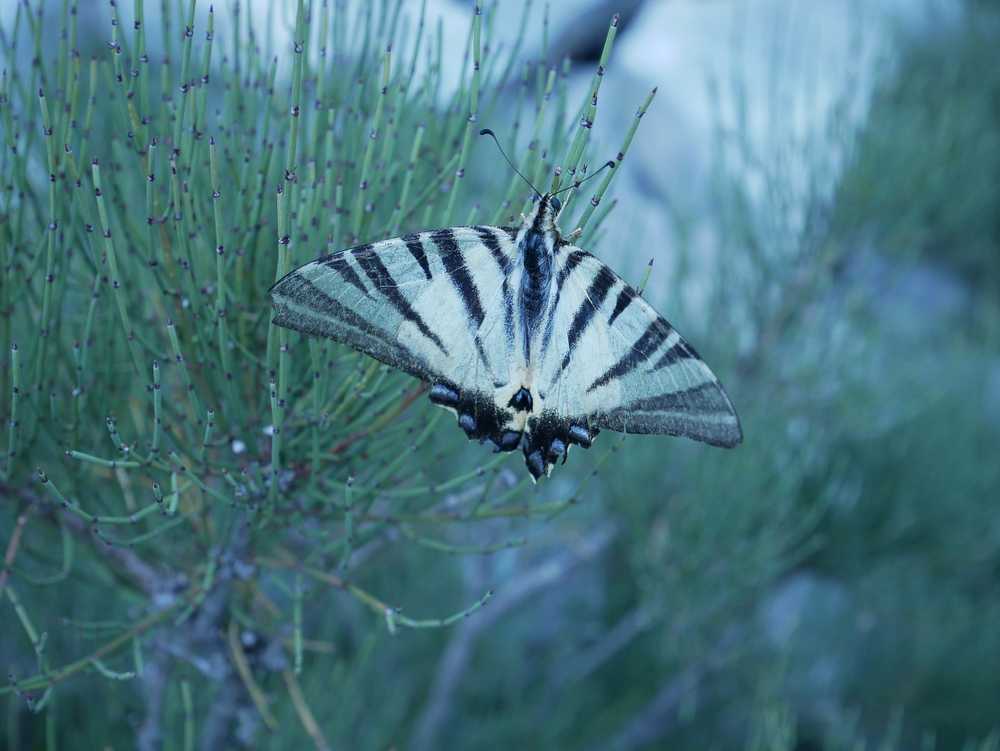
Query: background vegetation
219,534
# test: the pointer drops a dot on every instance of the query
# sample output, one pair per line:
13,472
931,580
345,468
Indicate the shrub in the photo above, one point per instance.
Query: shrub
180,474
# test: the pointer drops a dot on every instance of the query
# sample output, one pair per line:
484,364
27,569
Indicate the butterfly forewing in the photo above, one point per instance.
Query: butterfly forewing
624,367
437,305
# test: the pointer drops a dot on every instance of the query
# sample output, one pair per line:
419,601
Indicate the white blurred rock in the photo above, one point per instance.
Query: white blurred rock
772,74
570,23
780,67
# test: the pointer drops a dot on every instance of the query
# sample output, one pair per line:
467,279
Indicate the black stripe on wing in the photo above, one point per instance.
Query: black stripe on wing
574,259
680,351
492,243
375,270
637,354
625,297
702,413
705,399
339,263
416,248
454,264
597,292
322,311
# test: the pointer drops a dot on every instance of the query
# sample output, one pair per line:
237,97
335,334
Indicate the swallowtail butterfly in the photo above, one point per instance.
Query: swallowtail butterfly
531,341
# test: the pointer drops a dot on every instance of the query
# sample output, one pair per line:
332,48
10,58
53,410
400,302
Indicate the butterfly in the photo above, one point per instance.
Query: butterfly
532,342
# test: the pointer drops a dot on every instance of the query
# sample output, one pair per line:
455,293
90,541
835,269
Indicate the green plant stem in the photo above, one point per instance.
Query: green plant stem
117,281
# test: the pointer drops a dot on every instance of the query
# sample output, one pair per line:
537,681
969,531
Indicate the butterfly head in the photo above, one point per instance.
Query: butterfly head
542,217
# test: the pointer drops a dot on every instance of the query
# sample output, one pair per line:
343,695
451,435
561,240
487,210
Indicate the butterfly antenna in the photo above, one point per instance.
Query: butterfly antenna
578,183
491,134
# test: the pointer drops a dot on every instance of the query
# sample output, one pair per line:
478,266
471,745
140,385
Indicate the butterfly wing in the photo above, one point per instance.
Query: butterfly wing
615,363
434,304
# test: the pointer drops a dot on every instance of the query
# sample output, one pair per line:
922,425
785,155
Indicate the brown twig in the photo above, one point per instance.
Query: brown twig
128,564
13,546
380,423
305,714
376,605
134,568
243,668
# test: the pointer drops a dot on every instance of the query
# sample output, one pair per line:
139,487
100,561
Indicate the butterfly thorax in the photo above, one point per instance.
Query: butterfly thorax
536,247
536,285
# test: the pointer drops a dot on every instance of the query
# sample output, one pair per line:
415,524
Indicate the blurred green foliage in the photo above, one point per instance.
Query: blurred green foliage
923,183
830,584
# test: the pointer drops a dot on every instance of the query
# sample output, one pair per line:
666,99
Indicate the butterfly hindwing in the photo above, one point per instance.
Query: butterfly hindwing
619,365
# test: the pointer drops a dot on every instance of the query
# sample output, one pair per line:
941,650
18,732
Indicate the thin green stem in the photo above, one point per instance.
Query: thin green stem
589,113
13,423
595,199
361,206
117,281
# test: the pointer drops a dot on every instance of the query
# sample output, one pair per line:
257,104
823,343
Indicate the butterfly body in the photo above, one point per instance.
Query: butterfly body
533,343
